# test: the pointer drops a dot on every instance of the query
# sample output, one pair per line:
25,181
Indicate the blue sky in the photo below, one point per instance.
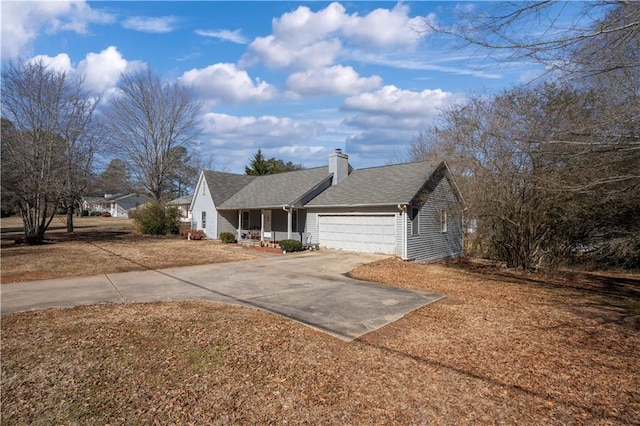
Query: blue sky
295,79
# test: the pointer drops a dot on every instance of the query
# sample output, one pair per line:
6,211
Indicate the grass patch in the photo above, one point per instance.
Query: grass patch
102,245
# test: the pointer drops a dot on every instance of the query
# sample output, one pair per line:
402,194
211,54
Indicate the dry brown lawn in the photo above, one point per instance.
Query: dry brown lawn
501,348
101,245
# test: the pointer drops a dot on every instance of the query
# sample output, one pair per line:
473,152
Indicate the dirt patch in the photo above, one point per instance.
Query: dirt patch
102,245
502,348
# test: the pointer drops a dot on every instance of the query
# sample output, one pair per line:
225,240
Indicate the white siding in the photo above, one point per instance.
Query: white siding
202,201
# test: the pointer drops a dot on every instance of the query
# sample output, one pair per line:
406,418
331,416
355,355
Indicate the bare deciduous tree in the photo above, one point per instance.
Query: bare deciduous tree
545,175
555,167
48,143
148,120
601,37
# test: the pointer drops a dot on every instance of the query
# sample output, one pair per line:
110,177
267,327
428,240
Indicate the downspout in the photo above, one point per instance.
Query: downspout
403,210
289,211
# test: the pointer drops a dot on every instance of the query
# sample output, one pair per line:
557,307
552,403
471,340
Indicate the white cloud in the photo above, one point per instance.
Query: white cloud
162,24
276,53
394,102
225,82
59,63
234,36
338,80
383,28
265,131
235,139
388,118
23,22
471,66
101,71
304,39
305,27
374,121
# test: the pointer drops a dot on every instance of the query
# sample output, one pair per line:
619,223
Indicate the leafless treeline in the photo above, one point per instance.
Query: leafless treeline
552,171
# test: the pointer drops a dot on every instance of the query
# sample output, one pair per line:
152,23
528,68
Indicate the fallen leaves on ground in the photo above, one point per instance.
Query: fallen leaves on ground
106,245
500,348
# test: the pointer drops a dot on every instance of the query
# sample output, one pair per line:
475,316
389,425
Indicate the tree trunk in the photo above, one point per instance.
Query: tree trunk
70,218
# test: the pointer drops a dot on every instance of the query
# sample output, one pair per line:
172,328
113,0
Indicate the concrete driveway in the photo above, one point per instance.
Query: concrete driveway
307,287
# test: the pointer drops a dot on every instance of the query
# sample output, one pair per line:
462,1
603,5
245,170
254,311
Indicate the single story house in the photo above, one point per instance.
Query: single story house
120,204
92,204
412,210
183,203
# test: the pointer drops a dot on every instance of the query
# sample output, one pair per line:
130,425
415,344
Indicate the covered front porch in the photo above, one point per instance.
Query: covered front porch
270,225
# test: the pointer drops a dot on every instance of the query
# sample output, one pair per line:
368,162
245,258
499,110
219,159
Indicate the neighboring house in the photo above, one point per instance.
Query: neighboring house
92,204
412,210
183,203
119,205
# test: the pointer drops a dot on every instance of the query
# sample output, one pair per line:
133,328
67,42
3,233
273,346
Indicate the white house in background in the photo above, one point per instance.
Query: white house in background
412,210
119,205
184,206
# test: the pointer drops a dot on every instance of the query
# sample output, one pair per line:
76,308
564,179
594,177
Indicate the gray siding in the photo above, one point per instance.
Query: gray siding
311,225
431,244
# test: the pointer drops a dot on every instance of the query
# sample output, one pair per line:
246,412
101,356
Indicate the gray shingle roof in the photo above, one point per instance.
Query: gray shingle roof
385,185
223,185
282,189
185,199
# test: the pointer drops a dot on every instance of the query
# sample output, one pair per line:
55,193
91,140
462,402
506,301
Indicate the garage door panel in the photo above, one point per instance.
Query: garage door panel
364,233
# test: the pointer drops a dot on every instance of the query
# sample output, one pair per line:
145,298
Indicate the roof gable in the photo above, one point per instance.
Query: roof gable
281,189
385,185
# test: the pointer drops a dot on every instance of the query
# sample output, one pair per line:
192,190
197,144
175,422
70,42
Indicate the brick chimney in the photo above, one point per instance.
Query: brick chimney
339,166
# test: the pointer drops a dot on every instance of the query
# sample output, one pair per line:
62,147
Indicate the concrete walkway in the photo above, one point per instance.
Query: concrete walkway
307,287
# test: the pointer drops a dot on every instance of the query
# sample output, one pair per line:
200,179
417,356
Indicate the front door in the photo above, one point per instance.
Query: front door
266,223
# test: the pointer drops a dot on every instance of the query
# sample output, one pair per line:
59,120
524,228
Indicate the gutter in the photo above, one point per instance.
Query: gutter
310,206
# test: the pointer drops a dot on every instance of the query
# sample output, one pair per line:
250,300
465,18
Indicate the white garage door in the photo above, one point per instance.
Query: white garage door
364,233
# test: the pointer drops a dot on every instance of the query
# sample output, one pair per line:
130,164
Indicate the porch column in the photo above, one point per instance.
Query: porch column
239,230
289,222
262,225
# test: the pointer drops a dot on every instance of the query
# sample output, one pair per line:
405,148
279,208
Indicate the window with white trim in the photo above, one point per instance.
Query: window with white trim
204,219
415,221
443,221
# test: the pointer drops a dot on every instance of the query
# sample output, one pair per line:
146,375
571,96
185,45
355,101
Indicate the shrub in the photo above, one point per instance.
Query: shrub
227,237
105,214
290,245
195,234
156,218
84,213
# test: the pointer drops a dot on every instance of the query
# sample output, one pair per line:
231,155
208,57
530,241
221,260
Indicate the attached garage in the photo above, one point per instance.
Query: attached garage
374,233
